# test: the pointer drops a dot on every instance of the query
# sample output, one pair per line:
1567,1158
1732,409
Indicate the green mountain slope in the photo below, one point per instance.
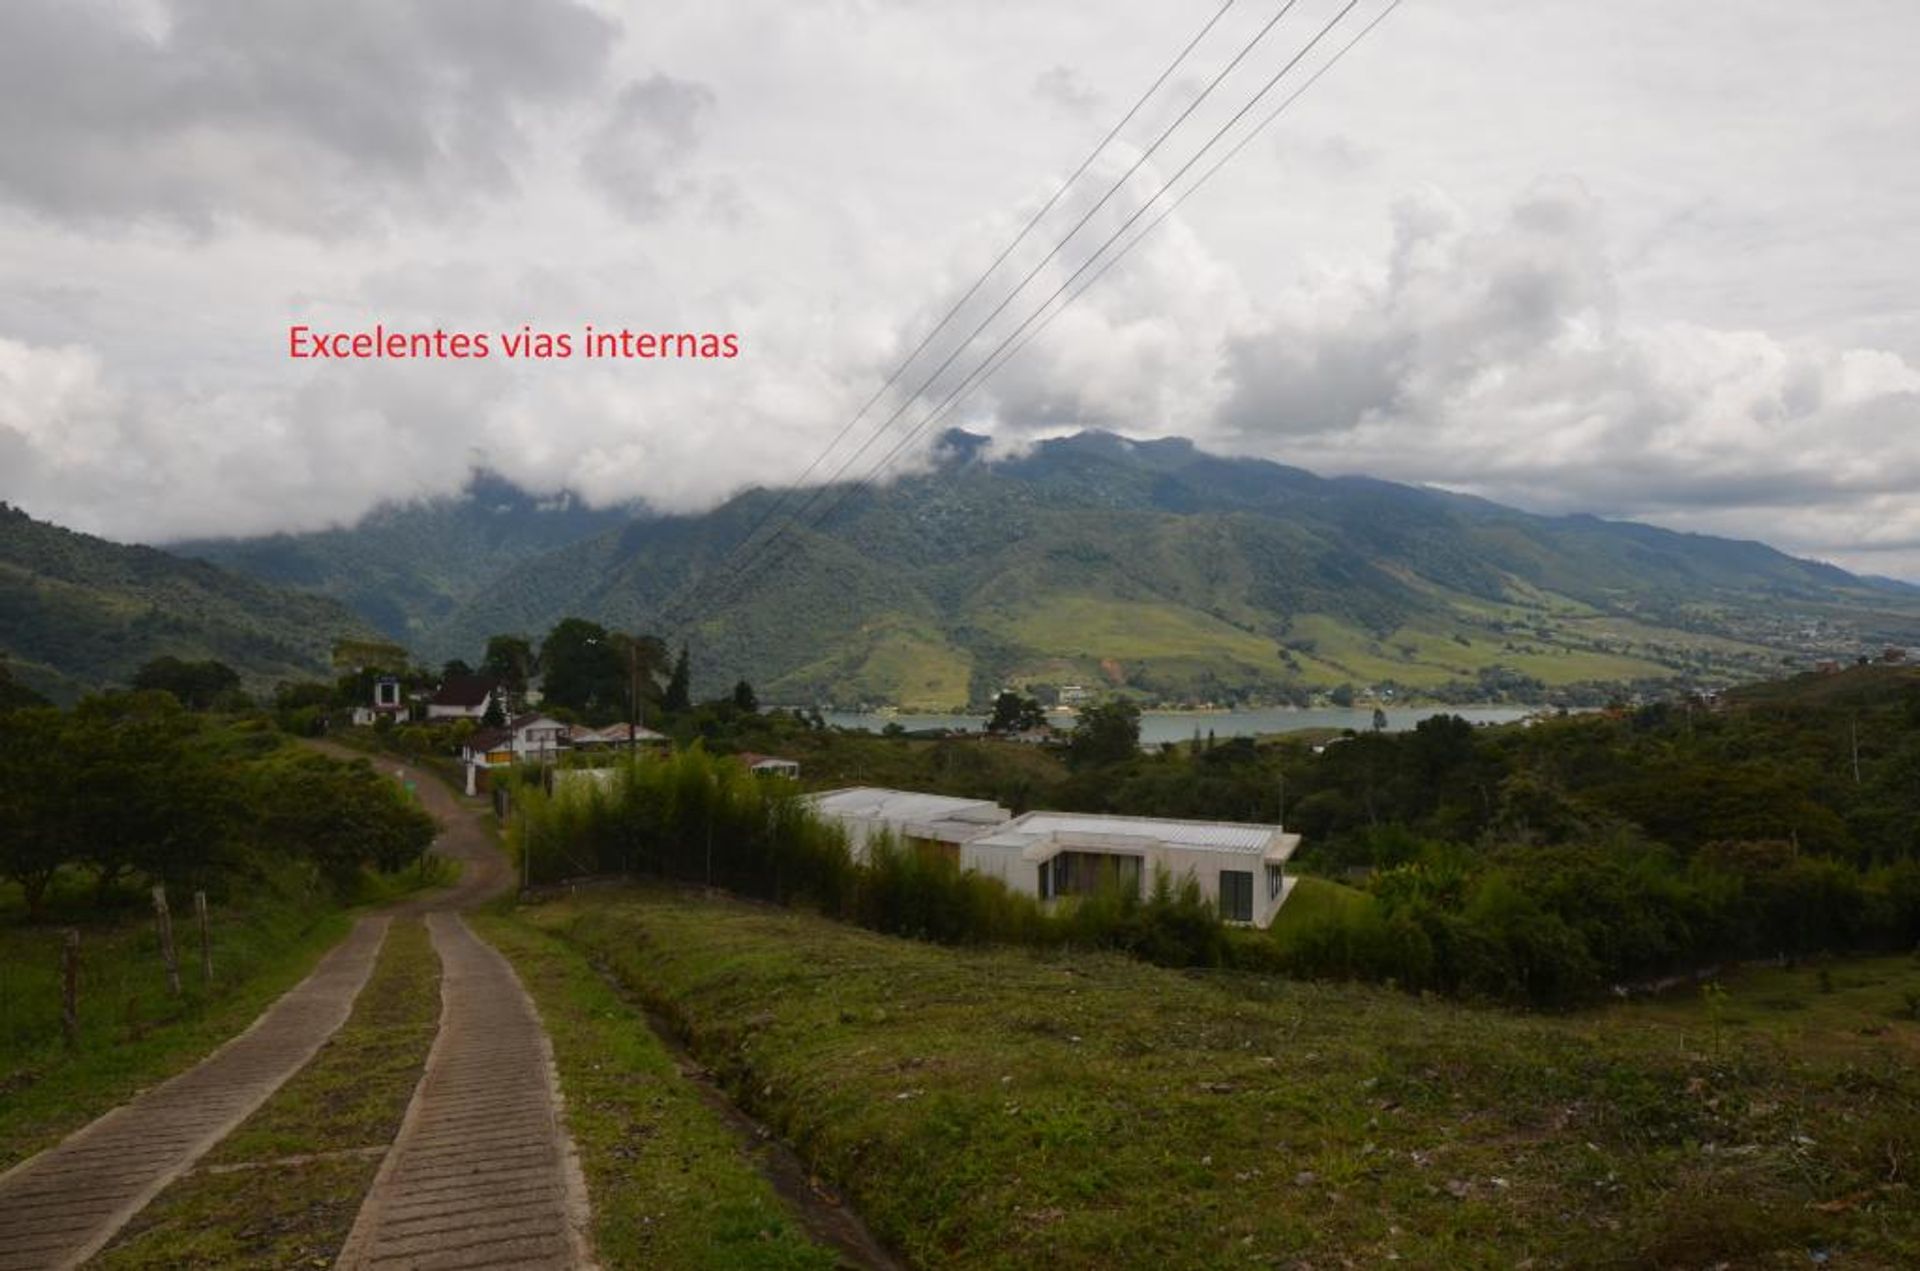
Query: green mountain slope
404,568
1187,576
78,613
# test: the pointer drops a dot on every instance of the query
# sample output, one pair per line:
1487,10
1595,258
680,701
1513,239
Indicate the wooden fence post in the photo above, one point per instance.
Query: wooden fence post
70,988
167,954
206,937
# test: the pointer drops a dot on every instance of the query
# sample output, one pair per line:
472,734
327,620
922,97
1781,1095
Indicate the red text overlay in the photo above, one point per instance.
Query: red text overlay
309,344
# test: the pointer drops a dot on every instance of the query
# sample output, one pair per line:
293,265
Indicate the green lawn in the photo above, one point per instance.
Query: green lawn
1007,1109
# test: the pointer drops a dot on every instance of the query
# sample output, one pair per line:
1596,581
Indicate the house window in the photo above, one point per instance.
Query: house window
1087,873
1046,880
1236,895
1276,882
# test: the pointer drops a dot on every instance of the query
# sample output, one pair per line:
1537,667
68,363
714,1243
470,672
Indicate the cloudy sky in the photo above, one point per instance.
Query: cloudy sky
1640,259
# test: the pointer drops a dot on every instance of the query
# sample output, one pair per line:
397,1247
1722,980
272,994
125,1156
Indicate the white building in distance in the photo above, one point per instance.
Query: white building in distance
1240,867
927,822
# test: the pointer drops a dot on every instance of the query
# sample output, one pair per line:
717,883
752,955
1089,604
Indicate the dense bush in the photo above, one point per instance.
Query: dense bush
133,786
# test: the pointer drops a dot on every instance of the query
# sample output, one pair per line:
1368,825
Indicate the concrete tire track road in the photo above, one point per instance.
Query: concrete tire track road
482,1173
62,1206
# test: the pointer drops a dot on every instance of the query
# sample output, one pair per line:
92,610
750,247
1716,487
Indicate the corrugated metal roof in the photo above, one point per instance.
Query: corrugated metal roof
878,804
1212,836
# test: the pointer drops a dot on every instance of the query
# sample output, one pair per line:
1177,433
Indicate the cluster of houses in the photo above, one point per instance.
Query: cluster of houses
1240,867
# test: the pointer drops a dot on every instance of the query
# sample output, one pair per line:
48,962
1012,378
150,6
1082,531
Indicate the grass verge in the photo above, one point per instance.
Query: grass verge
670,1183
1007,1109
133,1033
283,1189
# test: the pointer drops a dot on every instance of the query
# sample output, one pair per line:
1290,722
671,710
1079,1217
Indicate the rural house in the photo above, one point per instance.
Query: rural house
618,737
769,765
463,697
388,703
926,822
1240,867
525,739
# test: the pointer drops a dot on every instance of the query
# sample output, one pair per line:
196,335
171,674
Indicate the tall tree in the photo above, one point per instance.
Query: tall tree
744,699
509,659
679,695
1105,734
582,669
195,685
1014,713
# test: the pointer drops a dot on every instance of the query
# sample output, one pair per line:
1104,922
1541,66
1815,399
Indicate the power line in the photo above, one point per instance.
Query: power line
746,547
1033,221
1173,207
973,378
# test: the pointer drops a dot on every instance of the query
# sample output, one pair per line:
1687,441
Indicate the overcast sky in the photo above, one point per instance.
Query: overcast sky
1641,259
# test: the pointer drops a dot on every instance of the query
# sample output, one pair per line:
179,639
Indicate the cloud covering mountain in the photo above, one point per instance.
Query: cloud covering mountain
1621,259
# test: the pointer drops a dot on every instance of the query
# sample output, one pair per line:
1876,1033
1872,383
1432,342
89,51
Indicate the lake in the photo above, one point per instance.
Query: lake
1159,726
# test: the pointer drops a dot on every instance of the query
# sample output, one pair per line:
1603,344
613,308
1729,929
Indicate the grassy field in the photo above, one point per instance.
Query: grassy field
1005,1109
284,1188
671,1185
133,1032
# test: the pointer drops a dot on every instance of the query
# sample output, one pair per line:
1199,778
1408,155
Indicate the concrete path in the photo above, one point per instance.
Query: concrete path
62,1206
482,1173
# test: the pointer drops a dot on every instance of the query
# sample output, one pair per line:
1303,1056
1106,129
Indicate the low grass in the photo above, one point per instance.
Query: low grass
671,1185
132,1032
284,1188
1007,1109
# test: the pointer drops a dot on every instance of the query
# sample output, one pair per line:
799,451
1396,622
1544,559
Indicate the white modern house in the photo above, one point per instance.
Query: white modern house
928,822
1240,867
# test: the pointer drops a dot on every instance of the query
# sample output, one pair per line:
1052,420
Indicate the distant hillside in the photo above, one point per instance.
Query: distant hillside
405,568
78,613
1155,566
1102,561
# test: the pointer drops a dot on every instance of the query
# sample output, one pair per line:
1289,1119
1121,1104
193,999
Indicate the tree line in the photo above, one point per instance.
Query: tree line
134,787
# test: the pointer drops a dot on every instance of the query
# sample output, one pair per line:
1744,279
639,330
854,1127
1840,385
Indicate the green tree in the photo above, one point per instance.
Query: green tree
13,694
509,659
37,793
679,694
457,668
581,668
1014,713
1105,734
195,685
744,699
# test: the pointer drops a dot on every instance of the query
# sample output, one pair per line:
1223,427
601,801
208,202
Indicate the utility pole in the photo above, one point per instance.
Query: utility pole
1853,731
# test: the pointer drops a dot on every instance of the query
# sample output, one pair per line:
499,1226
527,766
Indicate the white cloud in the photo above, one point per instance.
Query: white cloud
1710,323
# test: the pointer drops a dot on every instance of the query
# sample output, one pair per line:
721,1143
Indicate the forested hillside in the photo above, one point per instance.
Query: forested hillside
1185,576
404,568
1150,567
78,613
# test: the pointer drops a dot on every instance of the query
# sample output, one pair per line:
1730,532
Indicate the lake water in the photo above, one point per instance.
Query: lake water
1159,726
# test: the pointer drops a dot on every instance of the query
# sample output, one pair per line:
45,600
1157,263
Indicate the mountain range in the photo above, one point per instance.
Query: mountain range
1100,561
79,613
